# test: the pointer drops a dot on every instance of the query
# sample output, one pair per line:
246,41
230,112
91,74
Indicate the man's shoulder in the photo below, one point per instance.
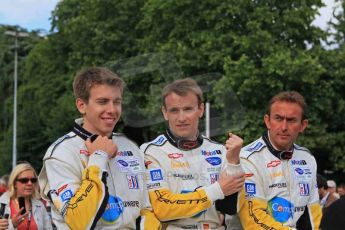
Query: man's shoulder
209,141
301,148
62,142
158,141
253,148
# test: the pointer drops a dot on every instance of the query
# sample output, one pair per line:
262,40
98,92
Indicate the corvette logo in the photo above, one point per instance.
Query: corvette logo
273,163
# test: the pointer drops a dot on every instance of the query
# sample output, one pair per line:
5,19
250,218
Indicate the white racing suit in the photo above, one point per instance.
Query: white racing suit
280,190
93,191
183,184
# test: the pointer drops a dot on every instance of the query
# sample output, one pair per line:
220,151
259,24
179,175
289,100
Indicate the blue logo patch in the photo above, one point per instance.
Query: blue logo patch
281,209
214,160
299,171
250,188
66,195
113,210
123,163
159,140
256,147
156,174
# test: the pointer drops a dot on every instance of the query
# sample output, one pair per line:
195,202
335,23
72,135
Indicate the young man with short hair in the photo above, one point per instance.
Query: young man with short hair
92,176
187,172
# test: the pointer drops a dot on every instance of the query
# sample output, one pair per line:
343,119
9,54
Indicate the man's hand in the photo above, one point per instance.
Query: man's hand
231,184
101,143
233,147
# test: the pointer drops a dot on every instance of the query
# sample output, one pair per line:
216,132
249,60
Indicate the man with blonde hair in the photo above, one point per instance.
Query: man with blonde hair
188,174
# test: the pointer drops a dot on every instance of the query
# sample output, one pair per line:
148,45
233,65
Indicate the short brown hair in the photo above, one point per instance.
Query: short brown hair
181,87
289,96
87,78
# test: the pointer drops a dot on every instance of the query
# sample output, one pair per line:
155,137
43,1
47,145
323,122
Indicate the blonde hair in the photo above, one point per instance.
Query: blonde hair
14,176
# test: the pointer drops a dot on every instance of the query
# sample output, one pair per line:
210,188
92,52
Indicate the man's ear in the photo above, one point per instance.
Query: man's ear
304,125
165,114
267,121
201,110
80,104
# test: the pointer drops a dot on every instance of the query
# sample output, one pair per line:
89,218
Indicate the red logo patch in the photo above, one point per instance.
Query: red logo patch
249,174
273,163
84,152
147,163
61,189
175,155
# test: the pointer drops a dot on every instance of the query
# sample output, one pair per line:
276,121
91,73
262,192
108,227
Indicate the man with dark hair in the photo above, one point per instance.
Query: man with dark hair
94,178
187,172
326,197
280,190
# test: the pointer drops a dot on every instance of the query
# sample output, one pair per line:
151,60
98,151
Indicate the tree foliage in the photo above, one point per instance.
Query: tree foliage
253,49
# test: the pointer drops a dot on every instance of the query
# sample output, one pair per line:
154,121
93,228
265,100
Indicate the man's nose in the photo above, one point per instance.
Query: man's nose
284,124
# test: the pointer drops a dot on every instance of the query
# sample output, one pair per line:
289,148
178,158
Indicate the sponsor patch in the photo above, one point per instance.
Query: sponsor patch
281,209
175,155
304,189
113,210
298,162
249,174
132,181
214,177
147,163
66,195
61,189
255,147
214,160
276,174
128,164
156,174
125,153
273,164
178,164
278,185
159,140
183,176
250,188
84,152
302,173
210,153
153,185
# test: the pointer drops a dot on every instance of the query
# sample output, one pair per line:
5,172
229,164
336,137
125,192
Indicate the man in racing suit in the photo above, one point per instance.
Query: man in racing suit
92,176
280,190
187,172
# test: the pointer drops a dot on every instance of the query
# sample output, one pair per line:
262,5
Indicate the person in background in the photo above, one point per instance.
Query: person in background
280,188
188,174
341,189
333,217
3,186
94,178
332,187
23,183
326,198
